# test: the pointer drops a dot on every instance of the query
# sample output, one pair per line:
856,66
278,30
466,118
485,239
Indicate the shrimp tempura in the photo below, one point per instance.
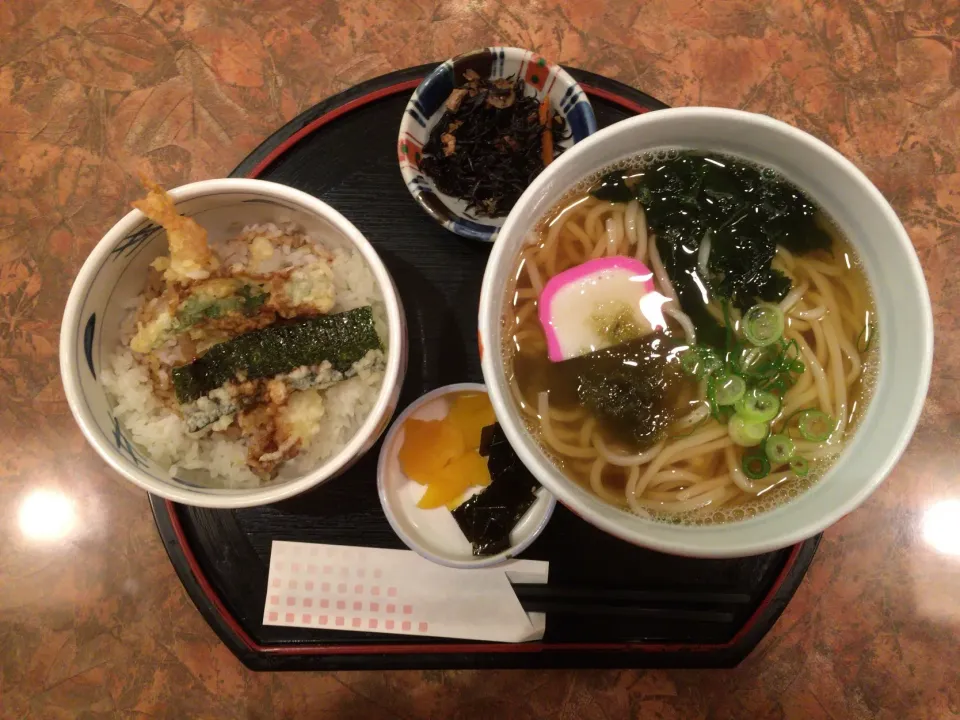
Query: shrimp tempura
190,255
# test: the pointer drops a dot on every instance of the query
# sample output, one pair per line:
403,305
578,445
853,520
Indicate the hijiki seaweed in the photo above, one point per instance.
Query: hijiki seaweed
491,142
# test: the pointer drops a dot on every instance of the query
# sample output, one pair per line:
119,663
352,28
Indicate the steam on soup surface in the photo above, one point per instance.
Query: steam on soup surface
690,337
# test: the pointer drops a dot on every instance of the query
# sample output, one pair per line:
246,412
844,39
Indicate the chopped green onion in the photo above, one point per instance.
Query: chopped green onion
865,338
763,324
779,449
772,368
791,356
725,413
727,326
746,433
787,420
756,466
700,361
712,399
730,389
760,364
758,406
690,361
750,359
710,362
778,386
800,466
815,425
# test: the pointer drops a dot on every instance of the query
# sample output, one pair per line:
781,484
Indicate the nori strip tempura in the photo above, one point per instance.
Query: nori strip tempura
487,518
340,339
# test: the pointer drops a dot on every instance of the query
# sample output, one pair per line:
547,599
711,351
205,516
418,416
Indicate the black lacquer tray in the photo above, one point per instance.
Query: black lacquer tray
608,604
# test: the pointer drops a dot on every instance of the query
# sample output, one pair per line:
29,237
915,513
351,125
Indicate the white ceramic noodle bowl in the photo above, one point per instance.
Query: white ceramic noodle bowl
903,310
114,274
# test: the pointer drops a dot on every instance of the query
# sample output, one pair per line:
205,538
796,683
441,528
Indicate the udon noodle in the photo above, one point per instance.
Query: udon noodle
694,472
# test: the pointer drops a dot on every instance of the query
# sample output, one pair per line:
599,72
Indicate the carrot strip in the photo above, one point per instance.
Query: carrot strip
546,137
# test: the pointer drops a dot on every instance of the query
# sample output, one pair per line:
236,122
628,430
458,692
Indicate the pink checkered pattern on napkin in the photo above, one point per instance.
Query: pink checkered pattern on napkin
297,597
361,589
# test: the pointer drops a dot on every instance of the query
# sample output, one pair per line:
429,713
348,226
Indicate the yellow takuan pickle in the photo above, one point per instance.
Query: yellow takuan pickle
471,412
428,445
453,481
443,454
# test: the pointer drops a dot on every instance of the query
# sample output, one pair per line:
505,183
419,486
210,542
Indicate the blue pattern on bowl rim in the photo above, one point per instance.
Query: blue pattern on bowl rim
426,106
119,261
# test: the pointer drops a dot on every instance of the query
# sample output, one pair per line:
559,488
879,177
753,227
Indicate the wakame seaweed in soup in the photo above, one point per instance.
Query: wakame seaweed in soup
744,210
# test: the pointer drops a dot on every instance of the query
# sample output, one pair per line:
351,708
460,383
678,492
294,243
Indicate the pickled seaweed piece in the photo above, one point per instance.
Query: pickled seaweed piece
486,439
340,339
488,518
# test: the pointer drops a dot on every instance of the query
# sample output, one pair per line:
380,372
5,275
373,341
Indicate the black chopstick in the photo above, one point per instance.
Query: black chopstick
533,592
594,610
660,605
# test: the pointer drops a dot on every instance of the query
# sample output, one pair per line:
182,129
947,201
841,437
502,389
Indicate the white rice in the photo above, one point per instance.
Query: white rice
209,458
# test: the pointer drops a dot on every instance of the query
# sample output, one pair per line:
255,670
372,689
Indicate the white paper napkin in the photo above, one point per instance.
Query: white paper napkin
340,587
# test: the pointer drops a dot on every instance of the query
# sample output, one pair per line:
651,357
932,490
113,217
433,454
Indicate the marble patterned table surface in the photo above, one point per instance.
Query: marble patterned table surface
93,621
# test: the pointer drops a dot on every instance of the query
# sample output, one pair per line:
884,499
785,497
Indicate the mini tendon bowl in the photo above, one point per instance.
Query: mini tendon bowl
114,274
892,269
426,107
434,534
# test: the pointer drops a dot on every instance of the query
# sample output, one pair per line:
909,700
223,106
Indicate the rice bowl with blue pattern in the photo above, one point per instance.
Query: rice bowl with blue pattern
440,94
171,351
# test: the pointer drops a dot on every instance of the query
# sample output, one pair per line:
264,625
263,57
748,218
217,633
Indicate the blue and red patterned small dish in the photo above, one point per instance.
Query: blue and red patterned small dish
427,106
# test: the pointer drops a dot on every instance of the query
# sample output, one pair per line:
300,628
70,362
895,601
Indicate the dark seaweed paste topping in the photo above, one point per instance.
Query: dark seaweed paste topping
747,210
632,389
